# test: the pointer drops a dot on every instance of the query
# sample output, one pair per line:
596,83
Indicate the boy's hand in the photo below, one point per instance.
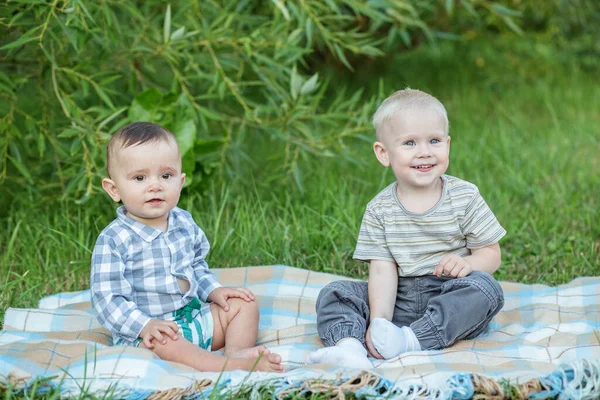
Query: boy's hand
220,295
454,266
155,330
370,347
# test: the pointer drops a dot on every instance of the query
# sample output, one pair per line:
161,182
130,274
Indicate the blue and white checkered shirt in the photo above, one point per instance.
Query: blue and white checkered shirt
135,269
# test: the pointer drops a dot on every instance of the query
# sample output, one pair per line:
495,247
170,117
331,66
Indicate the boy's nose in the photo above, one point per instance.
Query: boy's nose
155,186
424,151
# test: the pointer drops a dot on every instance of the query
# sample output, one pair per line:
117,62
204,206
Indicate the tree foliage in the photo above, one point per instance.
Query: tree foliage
227,77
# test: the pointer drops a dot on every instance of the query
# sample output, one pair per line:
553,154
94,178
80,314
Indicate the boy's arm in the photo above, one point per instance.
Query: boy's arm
205,278
482,232
109,290
383,289
486,259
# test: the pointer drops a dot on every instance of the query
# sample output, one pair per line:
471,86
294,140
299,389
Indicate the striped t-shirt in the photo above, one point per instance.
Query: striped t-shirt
461,220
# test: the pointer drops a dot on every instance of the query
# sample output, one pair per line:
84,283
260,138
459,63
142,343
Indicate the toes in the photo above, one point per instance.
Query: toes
263,349
276,367
274,358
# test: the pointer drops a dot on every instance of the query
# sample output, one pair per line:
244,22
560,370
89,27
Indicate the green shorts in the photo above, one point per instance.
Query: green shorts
195,323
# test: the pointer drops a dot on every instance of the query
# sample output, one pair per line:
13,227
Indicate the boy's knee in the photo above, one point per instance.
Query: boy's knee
243,306
338,290
329,294
489,286
487,281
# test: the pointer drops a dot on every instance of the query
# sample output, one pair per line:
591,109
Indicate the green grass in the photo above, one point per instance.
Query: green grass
524,129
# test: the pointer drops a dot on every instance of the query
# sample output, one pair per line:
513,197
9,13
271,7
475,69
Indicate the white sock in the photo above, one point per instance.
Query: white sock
390,340
348,352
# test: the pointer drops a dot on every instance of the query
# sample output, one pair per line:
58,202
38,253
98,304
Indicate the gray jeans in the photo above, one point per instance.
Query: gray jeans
439,310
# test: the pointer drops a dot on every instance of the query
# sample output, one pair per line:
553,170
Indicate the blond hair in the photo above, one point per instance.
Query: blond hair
407,100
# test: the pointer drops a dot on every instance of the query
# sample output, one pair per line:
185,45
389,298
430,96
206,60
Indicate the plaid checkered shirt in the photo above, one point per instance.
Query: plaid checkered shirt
135,269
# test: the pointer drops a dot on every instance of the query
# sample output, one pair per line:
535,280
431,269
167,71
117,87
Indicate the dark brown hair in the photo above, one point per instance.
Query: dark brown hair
135,134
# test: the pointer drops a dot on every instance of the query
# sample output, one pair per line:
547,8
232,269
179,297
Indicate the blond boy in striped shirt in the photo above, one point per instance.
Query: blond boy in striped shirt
431,243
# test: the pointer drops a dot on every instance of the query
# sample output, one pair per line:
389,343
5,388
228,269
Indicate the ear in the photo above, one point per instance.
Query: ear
110,187
449,144
182,179
381,154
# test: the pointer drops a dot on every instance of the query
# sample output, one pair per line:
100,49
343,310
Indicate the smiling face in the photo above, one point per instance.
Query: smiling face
416,145
147,178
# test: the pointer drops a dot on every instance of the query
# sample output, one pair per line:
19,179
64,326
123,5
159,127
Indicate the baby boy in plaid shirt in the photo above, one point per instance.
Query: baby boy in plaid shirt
150,282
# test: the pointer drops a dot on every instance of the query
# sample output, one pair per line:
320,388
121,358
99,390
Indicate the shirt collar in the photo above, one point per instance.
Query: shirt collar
145,232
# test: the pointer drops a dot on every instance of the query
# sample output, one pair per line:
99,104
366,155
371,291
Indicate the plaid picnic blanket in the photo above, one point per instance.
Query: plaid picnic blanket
546,340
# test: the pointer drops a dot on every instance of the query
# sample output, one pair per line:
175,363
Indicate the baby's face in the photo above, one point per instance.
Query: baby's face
148,180
417,147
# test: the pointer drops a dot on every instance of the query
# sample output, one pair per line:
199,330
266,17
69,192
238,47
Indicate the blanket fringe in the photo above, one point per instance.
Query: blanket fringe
331,389
578,380
179,393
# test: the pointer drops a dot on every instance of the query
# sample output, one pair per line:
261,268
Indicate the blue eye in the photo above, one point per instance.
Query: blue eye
435,141
167,176
410,143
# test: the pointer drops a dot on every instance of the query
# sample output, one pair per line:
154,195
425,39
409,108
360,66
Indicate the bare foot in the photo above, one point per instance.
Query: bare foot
266,362
251,352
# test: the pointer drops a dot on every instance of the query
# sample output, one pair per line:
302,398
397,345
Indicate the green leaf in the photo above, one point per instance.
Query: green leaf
282,8
342,57
309,37
21,168
72,185
296,82
178,34
511,24
102,94
469,7
298,178
371,51
76,146
334,7
149,98
188,166
4,78
190,34
111,117
294,35
310,85
447,35
405,36
167,25
207,146
502,10
24,39
144,105
85,10
221,89
185,132
68,133
7,90
41,144
210,114
449,5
